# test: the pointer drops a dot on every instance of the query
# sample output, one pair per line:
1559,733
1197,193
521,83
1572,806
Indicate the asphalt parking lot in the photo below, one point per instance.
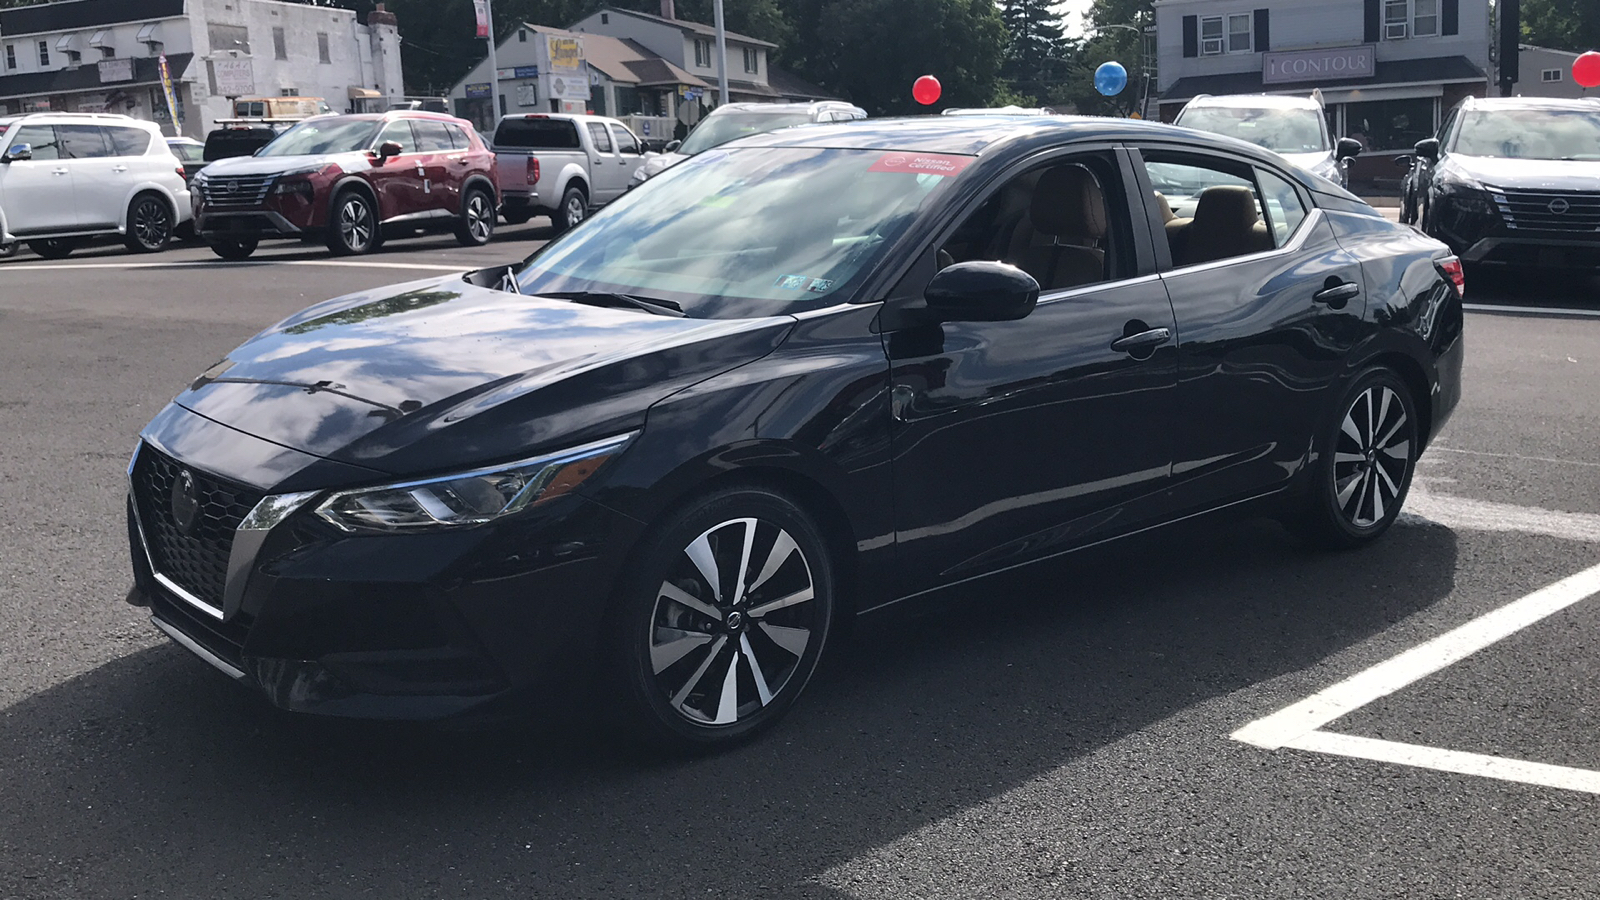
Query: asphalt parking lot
1108,728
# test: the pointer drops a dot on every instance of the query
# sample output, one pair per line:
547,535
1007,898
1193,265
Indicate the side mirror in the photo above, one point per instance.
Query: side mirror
19,153
389,150
671,146
1405,162
1348,148
1428,148
981,291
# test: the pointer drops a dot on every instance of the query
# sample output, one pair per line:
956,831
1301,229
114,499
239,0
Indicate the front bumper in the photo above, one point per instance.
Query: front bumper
417,626
1499,227
246,223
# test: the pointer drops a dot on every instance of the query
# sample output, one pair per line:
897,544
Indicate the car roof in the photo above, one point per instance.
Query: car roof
1255,101
776,108
976,135
1588,104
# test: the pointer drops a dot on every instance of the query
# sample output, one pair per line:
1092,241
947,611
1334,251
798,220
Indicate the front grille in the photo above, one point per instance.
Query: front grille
1570,212
225,639
196,561
236,191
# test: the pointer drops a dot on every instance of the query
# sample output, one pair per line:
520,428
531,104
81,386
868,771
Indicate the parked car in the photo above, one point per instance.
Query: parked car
736,120
824,371
347,180
1511,181
1293,127
240,139
190,153
66,178
562,165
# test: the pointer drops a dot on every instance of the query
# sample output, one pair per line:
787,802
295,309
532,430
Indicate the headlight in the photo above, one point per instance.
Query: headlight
296,186
468,498
1464,193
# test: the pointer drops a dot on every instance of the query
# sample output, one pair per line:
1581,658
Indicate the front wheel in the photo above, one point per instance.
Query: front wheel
234,248
1364,466
574,208
150,224
9,250
53,248
353,225
722,625
477,219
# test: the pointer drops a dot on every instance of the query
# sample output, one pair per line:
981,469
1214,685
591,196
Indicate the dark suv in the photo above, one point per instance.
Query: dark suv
1512,181
348,180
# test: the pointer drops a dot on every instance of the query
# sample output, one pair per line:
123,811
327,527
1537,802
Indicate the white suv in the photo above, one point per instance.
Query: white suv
736,120
66,177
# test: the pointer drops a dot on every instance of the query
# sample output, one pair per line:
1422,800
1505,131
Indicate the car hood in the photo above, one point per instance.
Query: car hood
442,373
1309,161
1536,174
272,165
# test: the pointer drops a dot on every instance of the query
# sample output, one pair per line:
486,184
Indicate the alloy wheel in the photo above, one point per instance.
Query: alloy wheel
732,621
575,210
152,224
1372,457
355,223
480,218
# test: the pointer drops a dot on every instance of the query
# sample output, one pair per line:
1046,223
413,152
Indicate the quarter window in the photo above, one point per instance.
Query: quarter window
1285,210
127,141
1209,210
458,138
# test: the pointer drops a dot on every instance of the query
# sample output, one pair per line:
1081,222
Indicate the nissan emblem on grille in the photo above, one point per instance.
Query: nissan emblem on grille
1559,205
185,502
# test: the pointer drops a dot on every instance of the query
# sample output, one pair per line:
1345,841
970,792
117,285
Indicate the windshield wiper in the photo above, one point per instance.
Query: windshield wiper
625,301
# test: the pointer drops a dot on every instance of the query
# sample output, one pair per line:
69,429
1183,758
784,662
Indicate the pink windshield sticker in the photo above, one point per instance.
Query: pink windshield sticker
922,163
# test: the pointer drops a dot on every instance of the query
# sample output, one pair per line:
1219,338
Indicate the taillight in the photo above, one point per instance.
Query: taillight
180,172
533,170
1452,269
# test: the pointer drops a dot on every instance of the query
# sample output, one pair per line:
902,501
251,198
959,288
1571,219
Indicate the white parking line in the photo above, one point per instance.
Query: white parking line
1486,515
1297,726
223,264
1544,459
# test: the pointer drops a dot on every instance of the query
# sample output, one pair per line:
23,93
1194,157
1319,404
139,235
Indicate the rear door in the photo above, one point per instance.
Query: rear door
38,193
101,181
441,190
1268,306
605,166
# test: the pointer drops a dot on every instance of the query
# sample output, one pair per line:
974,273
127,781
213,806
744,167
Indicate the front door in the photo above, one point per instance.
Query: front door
38,192
1014,441
1269,307
398,180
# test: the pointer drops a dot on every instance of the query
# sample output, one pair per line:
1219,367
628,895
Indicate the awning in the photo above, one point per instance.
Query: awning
1387,74
86,79
361,93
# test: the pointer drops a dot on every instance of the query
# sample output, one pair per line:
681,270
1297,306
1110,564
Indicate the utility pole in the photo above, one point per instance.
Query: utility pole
722,57
494,69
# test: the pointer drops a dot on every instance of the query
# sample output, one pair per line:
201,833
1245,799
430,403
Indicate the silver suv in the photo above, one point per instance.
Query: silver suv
736,120
68,177
1296,128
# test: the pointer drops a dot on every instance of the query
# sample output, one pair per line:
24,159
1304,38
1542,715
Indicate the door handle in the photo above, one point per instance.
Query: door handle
1336,293
119,168
1144,340
58,171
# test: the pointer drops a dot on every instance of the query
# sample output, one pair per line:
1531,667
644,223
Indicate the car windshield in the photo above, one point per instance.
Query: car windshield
721,129
1279,130
755,232
1530,134
319,136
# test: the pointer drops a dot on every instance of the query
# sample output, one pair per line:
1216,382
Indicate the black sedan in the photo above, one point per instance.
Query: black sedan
793,380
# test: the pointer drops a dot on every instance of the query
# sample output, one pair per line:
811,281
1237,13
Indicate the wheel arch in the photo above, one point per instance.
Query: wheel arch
1416,381
140,190
480,181
351,182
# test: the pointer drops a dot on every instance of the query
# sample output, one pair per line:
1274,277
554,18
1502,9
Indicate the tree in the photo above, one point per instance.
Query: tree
1572,25
1034,55
872,50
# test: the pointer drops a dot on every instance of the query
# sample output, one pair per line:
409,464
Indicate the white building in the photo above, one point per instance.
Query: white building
692,47
1388,69
1543,72
102,56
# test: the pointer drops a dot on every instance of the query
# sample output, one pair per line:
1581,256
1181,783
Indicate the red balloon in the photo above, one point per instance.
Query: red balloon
926,90
1586,69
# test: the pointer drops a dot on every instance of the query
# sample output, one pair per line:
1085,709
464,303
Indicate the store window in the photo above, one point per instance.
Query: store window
627,101
1390,124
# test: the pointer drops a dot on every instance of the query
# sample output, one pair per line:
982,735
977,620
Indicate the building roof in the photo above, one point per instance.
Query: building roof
792,87
627,62
87,78
688,27
1398,71
83,14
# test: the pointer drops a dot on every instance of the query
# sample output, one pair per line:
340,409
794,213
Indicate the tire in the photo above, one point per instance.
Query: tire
9,250
476,226
151,222
1365,461
574,209
234,248
680,651
53,248
353,227
519,217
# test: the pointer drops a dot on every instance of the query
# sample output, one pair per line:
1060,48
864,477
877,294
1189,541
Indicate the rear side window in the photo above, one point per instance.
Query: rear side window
1210,209
129,141
1285,211
432,137
84,141
41,139
601,138
537,134
458,137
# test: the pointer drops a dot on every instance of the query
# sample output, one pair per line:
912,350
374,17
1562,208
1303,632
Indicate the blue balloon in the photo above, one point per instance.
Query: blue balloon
1110,78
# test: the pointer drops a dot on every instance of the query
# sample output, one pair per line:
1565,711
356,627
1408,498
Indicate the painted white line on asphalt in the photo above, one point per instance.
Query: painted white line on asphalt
221,264
1532,310
1486,515
1546,459
1456,761
1299,719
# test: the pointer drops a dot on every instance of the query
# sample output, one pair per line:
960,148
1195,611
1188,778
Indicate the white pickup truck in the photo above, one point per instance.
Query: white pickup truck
562,165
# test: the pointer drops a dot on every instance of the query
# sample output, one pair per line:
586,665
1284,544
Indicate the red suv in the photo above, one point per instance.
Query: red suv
348,180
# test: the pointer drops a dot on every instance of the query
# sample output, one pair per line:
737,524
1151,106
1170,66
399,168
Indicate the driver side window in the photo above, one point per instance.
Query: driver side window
1064,222
400,133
